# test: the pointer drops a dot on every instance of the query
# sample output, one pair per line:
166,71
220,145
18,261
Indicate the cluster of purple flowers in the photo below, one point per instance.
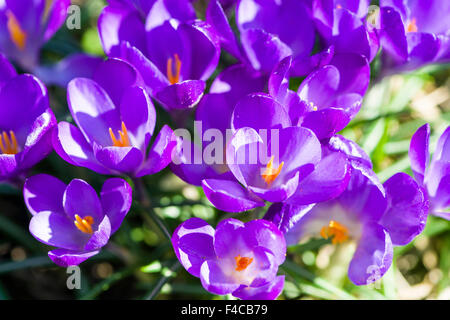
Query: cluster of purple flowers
315,182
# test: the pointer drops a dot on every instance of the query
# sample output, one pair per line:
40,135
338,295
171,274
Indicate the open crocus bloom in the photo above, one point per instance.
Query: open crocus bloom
116,120
434,176
72,217
237,258
414,33
265,29
375,216
341,23
174,52
26,121
26,25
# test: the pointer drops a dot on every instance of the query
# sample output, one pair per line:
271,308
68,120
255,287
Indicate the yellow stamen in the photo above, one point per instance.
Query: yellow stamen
270,173
338,6
411,27
8,145
242,262
335,230
18,36
85,224
174,78
123,140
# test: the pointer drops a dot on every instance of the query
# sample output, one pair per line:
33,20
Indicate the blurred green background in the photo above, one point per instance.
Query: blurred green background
139,261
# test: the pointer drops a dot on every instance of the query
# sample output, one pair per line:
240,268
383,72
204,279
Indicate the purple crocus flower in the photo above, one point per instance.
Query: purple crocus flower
266,31
237,258
72,217
328,98
26,25
341,23
414,33
434,176
174,52
376,216
116,120
26,121
287,160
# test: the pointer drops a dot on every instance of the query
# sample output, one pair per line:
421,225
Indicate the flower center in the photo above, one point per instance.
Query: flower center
173,77
411,26
18,36
270,173
123,140
8,145
242,262
85,224
335,230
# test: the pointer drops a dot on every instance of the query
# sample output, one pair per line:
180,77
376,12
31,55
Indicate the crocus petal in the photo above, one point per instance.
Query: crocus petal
407,210
265,111
279,18
442,151
326,123
285,216
70,144
66,258
264,50
262,233
320,87
7,70
38,143
25,98
93,110
373,256
116,198
230,196
56,17
154,79
55,229
193,244
115,76
436,181
216,17
228,88
269,291
419,153
202,49
229,231
39,199
328,180
118,23
163,10
101,236
351,149
139,115
354,72
392,34
441,200
182,95
215,280
8,166
122,159
422,48
78,65
82,200
160,155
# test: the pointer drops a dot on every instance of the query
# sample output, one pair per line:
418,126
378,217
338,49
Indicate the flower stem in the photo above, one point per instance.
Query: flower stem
146,210
162,281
